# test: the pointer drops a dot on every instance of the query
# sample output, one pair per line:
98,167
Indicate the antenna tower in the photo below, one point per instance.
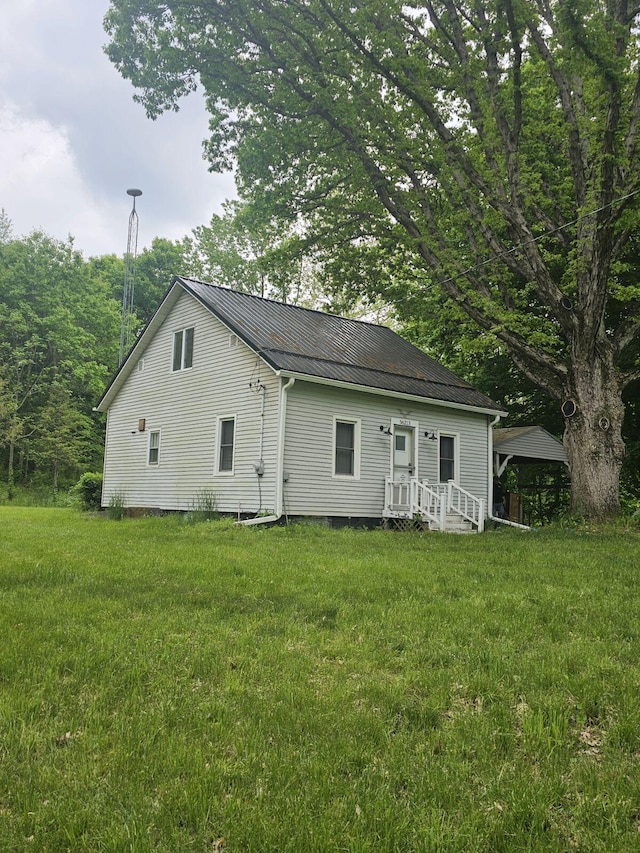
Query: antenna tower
126,330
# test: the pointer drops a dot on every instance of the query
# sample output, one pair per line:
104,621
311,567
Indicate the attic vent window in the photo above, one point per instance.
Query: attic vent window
233,341
183,349
141,365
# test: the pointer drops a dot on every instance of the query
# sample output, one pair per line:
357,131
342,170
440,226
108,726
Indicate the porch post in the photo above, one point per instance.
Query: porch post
443,513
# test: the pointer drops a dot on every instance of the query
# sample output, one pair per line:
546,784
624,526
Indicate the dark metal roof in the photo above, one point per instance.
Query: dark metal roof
313,343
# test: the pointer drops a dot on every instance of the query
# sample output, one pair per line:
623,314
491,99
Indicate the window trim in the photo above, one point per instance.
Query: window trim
356,423
225,472
456,454
184,348
153,433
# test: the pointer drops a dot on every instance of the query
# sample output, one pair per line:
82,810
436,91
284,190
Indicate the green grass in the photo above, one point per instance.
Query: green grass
164,686
35,496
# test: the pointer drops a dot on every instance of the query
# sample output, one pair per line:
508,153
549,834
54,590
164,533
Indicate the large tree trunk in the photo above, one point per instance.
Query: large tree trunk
593,438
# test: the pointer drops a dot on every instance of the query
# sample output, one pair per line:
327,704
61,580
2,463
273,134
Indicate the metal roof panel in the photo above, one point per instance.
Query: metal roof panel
335,348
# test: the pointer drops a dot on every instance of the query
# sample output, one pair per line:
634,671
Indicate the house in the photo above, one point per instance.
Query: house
280,410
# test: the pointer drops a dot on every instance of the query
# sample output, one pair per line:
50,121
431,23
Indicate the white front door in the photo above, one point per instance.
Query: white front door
403,453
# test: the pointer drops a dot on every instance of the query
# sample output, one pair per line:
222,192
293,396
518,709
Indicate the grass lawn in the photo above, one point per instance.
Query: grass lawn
175,687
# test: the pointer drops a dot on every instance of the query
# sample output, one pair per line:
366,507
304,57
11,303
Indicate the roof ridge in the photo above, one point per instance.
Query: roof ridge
286,304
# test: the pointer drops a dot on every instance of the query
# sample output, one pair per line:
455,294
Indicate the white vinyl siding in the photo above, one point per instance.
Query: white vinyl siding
186,406
226,380
312,487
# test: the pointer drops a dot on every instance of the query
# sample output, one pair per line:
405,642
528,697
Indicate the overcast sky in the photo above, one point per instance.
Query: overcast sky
72,141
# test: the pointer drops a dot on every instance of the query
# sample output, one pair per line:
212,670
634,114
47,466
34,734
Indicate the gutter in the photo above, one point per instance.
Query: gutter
282,419
490,515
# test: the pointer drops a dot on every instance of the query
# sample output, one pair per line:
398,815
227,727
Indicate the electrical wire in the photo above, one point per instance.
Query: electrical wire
543,236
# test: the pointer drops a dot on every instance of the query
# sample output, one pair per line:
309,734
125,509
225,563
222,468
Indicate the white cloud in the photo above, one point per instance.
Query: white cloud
72,140
42,189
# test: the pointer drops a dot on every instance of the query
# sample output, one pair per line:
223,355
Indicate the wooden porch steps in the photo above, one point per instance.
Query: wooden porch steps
414,504
456,524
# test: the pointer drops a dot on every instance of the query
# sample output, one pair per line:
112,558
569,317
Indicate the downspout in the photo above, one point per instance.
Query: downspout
282,425
490,465
490,514
282,418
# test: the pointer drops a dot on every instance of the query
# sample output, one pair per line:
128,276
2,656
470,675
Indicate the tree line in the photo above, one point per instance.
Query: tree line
60,319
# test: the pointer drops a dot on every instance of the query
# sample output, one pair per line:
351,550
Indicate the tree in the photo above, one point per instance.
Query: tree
154,268
495,143
6,227
63,435
58,343
243,250
226,253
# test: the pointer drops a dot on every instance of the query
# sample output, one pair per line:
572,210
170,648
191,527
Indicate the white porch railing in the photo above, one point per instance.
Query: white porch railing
432,502
466,505
429,504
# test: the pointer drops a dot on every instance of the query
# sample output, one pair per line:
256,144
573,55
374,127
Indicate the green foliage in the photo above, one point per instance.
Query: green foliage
6,227
59,338
154,270
58,330
204,507
116,505
34,495
243,250
88,491
62,436
167,686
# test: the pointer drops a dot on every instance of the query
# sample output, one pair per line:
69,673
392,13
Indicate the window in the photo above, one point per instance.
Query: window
447,458
226,441
183,349
154,447
346,460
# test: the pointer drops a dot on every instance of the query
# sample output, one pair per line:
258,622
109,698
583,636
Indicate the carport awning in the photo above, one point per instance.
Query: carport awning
526,445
